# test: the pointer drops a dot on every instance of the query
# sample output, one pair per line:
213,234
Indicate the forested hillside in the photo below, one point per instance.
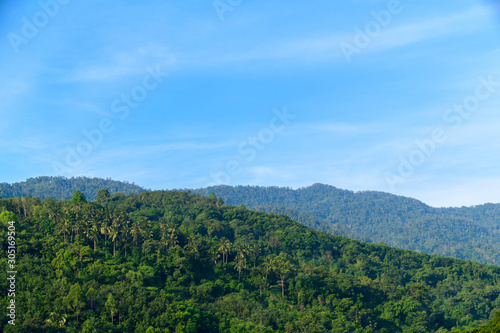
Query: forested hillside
172,261
62,188
466,233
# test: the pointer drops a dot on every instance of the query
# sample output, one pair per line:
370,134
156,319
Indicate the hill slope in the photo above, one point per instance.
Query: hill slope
466,233
62,188
171,261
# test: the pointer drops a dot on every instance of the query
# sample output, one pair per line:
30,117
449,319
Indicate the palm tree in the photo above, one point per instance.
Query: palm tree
146,229
74,229
64,227
163,233
136,232
255,251
105,226
86,229
105,231
125,234
53,215
240,262
76,210
56,318
94,231
117,220
113,234
225,247
172,234
193,245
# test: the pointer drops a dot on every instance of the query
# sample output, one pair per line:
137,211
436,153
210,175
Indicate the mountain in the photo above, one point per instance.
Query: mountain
62,188
465,233
173,261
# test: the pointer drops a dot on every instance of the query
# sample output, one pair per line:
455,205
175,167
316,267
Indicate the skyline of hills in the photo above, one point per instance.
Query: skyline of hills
370,216
62,188
28,187
465,232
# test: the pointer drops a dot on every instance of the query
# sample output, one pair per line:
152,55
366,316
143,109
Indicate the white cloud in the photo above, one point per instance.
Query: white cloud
467,22
320,48
115,64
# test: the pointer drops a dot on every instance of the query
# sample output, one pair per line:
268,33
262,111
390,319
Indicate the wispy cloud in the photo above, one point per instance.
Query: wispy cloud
434,28
116,64
320,47
340,128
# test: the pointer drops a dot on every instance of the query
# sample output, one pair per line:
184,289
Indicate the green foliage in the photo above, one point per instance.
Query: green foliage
6,217
172,261
492,327
103,194
63,188
464,233
78,198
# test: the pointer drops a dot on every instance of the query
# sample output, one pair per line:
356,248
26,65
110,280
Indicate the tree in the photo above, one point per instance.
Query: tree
192,245
172,235
64,227
75,301
125,235
225,247
110,306
255,249
57,318
163,233
83,253
78,197
6,217
113,234
136,232
105,229
146,229
94,232
240,261
281,265
103,194
91,296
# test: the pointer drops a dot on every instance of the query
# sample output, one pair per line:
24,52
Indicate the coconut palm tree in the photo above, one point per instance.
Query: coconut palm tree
240,262
64,227
225,247
94,233
113,234
172,235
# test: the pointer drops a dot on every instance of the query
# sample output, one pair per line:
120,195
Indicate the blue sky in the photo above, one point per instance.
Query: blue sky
395,96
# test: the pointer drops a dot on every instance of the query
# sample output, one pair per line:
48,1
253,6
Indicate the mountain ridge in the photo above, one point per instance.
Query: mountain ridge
62,188
374,216
370,216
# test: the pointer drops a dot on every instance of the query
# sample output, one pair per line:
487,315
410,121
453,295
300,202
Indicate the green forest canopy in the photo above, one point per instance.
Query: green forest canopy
62,188
171,261
466,233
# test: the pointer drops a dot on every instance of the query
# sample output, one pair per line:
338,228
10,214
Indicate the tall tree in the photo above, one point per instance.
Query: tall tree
282,266
224,247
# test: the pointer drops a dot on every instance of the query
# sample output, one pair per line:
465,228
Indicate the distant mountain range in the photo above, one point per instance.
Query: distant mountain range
62,188
465,233
173,261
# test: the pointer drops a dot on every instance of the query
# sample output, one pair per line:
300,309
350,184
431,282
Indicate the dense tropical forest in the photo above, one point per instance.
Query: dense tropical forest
175,261
465,233
62,188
